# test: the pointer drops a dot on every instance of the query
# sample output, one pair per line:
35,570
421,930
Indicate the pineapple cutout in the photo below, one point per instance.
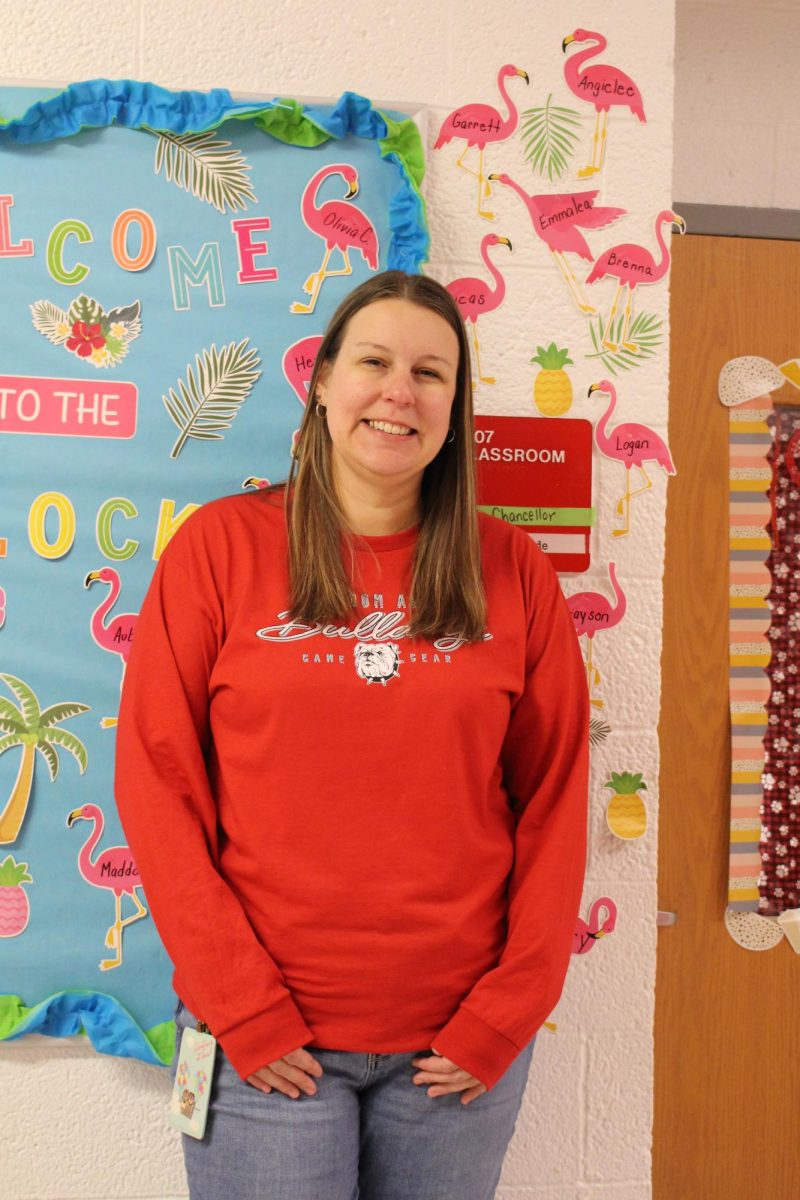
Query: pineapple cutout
626,814
15,909
552,387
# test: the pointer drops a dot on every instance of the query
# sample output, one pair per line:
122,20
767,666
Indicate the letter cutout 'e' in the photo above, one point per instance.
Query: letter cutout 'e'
249,249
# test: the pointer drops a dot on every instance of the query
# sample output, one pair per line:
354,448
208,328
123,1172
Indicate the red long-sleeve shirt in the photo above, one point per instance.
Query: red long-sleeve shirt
349,838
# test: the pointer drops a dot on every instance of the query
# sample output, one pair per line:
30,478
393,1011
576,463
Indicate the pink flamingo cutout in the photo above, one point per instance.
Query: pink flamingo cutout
479,124
117,635
557,220
342,226
113,869
602,86
298,365
633,445
256,482
588,932
593,613
475,296
633,265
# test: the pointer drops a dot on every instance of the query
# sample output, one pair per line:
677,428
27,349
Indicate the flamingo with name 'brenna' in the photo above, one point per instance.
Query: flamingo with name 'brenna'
477,125
113,869
632,445
116,635
633,266
593,613
603,86
476,297
558,219
341,225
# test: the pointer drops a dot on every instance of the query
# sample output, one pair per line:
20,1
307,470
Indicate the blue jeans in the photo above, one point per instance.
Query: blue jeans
368,1133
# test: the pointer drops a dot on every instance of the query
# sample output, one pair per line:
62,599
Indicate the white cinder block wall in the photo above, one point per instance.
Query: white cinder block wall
79,1125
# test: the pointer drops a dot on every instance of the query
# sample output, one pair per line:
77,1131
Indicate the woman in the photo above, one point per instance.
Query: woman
352,760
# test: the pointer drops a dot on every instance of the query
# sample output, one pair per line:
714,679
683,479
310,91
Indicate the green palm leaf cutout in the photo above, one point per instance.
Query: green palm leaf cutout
549,137
645,331
205,165
210,398
28,702
62,737
8,743
50,320
50,757
61,712
598,731
10,716
86,309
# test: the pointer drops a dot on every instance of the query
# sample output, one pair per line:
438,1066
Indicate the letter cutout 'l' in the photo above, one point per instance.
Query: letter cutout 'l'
23,249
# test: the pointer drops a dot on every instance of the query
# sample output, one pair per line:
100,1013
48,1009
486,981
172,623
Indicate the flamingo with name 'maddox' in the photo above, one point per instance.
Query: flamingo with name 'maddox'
593,613
631,444
113,869
476,297
558,219
116,636
477,125
341,225
603,86
633,266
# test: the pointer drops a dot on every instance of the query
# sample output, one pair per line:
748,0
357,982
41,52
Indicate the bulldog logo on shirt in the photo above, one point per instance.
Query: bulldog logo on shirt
377,663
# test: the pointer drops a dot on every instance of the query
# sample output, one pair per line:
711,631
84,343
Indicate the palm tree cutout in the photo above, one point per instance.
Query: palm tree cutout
113,869
33,729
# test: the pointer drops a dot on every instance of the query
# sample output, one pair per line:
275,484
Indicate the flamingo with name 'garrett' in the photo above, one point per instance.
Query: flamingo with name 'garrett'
477,125
341,225
476,297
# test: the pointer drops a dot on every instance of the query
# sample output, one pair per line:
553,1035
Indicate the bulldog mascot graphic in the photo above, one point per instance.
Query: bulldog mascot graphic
377,663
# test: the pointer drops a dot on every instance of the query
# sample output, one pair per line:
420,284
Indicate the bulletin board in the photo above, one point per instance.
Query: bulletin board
169,262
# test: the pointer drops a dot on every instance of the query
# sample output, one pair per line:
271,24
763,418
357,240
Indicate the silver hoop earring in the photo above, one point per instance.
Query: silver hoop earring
451,437
321,410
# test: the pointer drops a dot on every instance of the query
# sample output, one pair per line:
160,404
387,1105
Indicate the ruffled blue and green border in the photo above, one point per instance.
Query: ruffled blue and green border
95,104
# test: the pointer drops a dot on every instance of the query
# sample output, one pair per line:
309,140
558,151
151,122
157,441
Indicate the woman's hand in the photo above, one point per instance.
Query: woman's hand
447,1077
284,1073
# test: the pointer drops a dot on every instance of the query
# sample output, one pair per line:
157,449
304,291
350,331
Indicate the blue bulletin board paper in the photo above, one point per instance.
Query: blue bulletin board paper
154,246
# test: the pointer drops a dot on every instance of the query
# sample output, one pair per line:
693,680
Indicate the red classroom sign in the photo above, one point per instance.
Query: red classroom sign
536,472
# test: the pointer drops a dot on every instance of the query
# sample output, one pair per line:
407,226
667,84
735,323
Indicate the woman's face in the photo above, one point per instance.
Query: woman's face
389,393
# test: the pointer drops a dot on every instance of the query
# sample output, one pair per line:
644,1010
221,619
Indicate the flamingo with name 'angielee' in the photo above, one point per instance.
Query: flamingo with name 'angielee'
593,613
476,297
633,266
477,125
603,86
558,219
341,225
632,445
116,635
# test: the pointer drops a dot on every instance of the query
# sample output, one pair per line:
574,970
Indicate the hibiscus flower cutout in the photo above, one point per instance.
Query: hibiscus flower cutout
85,338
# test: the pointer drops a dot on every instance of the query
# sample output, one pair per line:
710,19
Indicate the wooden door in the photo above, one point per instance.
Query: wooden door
727,1026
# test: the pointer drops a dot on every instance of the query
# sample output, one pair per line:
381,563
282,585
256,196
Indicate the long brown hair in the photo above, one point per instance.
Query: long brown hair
447,595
